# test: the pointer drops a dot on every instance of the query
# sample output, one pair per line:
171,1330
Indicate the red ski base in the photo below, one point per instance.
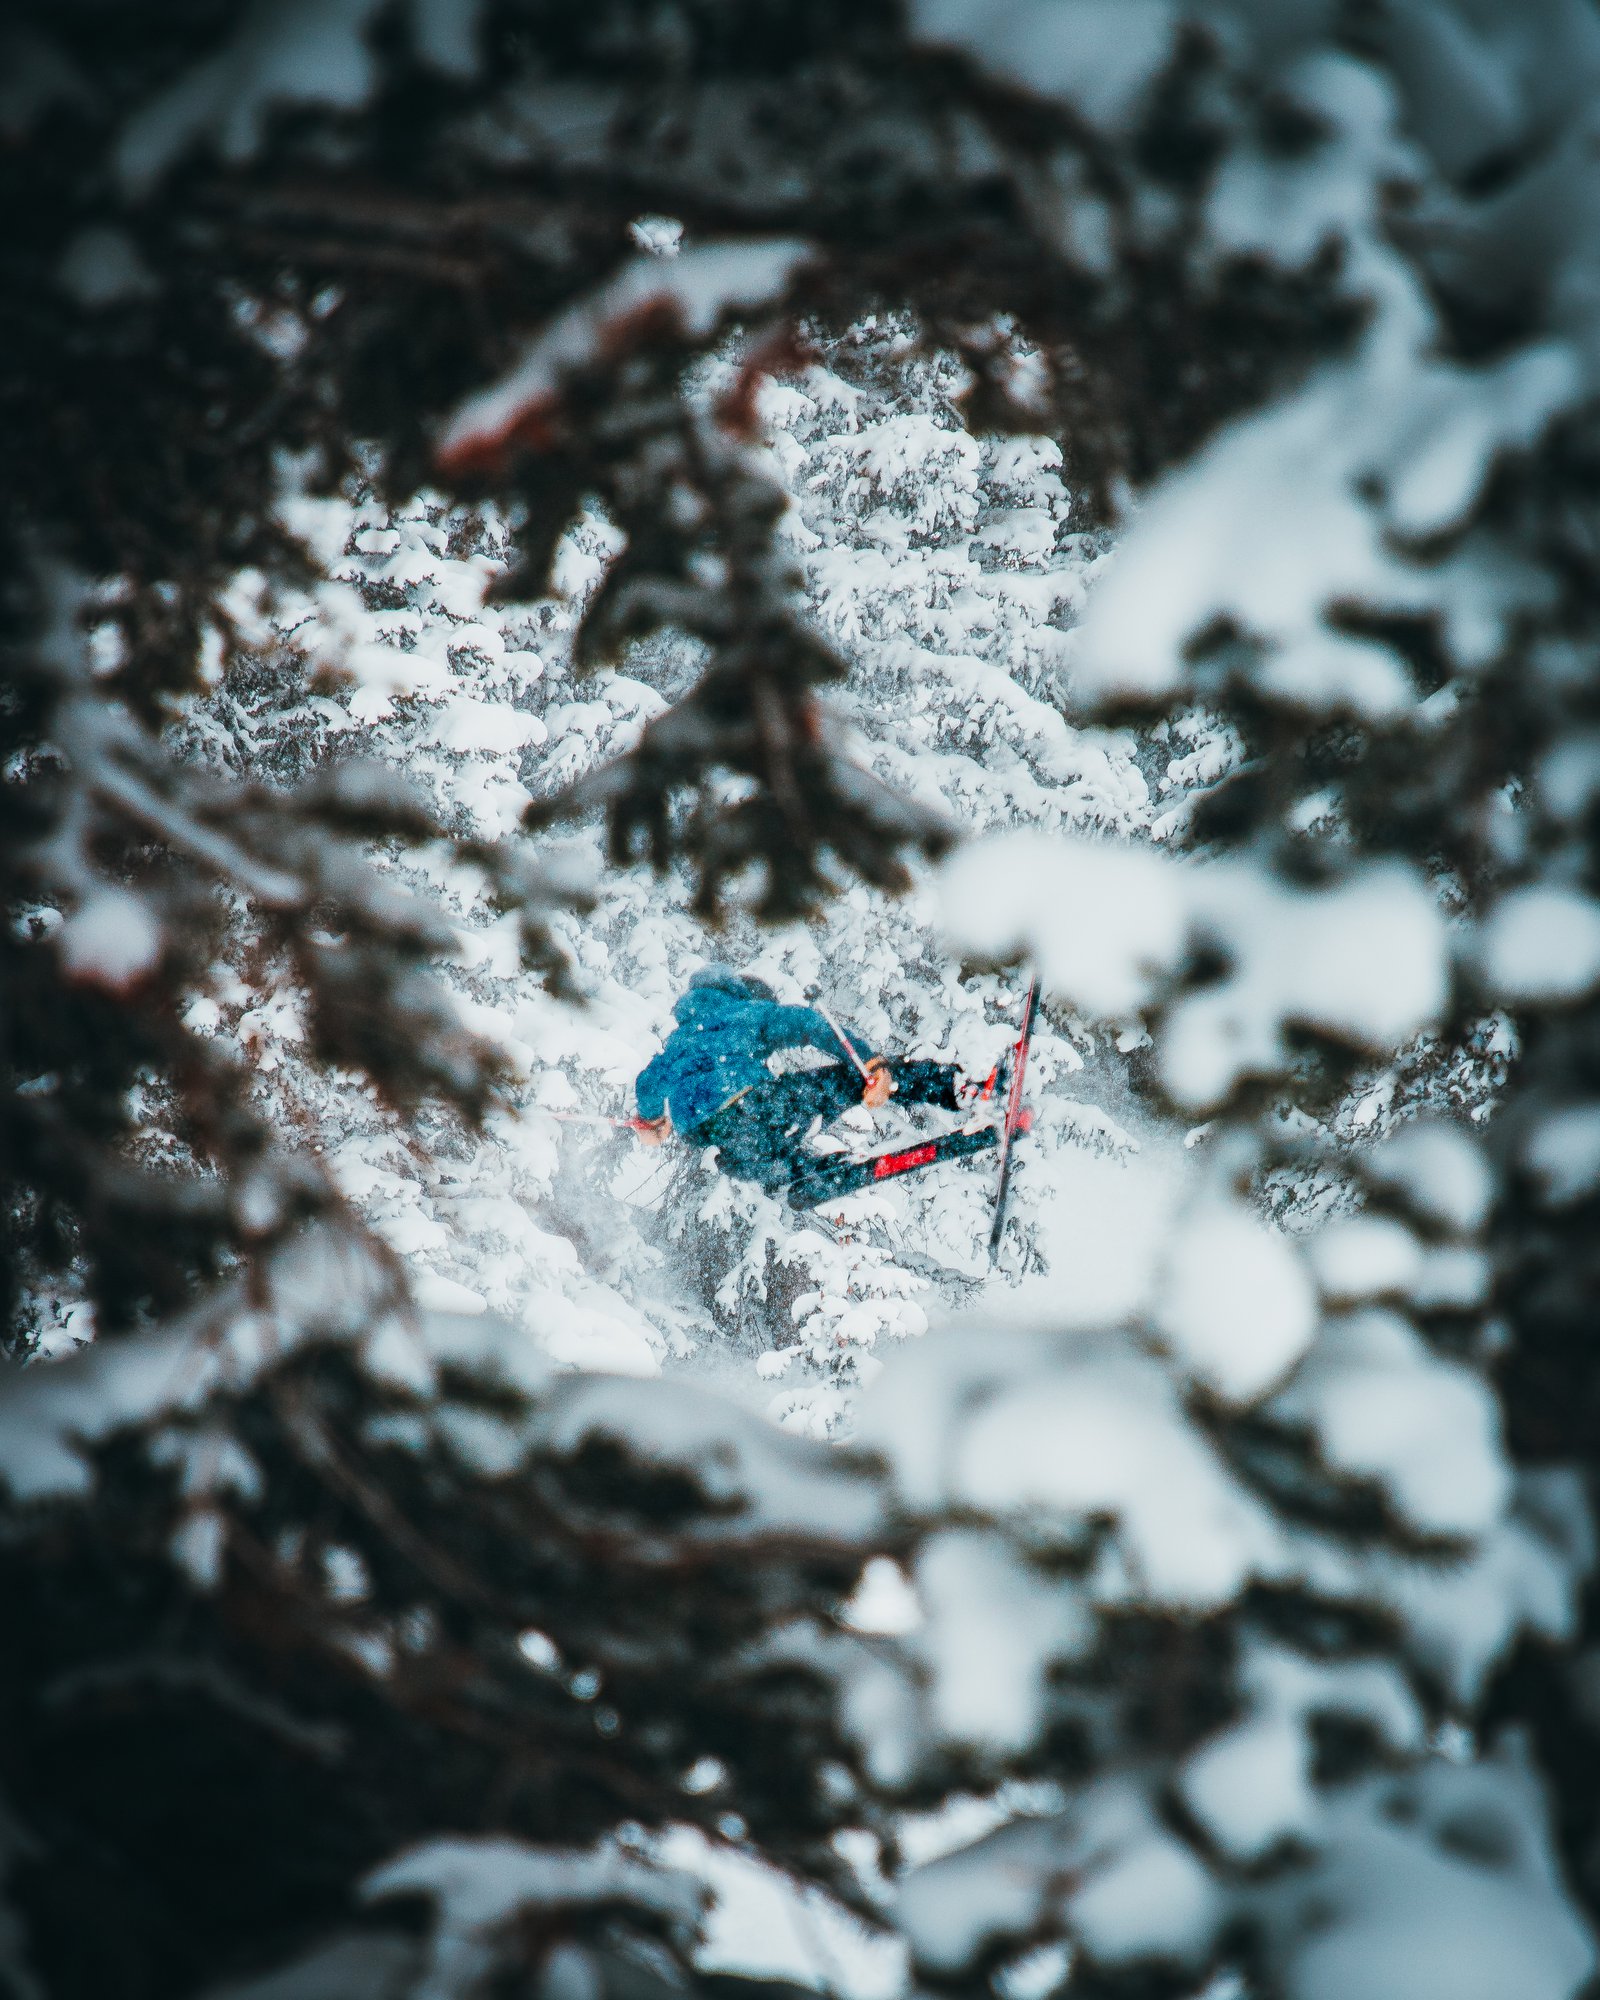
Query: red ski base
822,1183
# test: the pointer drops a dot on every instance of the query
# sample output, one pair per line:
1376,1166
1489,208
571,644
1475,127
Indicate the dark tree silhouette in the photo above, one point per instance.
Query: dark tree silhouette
298,1578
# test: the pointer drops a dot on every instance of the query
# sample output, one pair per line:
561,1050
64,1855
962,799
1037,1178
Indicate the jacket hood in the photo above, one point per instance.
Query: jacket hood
710,1003
715,992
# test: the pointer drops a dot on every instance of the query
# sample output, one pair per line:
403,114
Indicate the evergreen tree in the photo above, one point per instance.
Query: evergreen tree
359,1644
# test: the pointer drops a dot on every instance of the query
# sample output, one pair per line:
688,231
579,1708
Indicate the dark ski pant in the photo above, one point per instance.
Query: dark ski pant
758,1136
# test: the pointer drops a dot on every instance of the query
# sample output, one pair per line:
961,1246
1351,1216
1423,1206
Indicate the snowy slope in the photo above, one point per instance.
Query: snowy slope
949,571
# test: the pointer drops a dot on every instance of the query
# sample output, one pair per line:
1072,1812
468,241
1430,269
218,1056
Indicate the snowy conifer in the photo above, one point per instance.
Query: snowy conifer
776,449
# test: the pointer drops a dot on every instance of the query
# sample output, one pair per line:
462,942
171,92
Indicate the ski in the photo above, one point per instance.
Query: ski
824,1182
1016,1118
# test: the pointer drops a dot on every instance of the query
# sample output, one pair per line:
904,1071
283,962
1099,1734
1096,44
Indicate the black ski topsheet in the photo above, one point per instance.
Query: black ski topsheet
1013,1124
830,1178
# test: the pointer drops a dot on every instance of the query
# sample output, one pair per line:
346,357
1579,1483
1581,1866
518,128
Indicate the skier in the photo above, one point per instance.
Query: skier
712,1086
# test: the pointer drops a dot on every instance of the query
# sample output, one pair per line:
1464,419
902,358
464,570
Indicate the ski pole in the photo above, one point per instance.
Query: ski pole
590,1118
1015,1116
845,1041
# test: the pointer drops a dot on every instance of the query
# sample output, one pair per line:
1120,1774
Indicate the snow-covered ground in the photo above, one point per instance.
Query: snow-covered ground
950,572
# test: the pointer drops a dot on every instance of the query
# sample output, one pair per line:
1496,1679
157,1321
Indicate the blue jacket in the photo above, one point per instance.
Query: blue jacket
720,1047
